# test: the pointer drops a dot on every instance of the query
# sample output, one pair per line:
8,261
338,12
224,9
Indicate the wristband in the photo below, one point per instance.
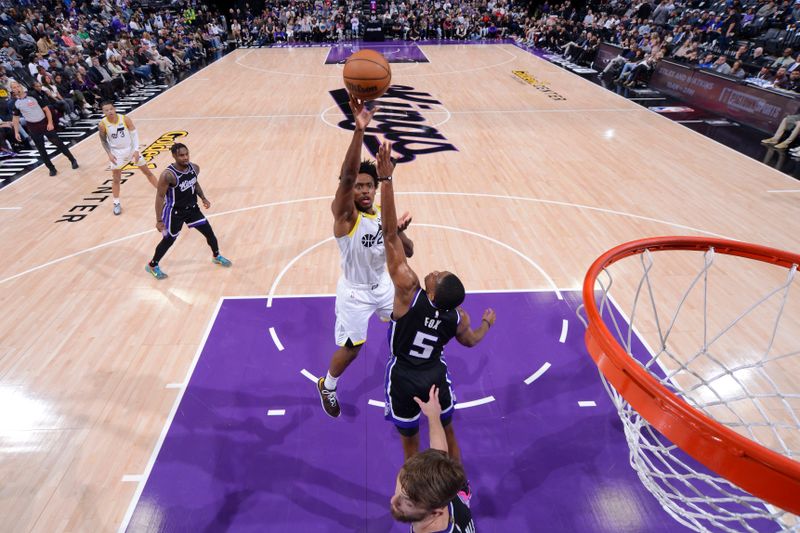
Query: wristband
387,178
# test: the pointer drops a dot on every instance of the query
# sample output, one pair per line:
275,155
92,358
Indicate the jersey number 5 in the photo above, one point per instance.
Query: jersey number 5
420,342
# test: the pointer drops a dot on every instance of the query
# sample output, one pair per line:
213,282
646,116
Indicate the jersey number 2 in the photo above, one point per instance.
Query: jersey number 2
419,342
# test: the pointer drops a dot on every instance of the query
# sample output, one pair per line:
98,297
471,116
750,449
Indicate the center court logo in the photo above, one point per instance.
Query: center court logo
539,85
400,119
79,211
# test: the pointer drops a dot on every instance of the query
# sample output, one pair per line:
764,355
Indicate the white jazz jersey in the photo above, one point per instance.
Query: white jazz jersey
118,135
362,250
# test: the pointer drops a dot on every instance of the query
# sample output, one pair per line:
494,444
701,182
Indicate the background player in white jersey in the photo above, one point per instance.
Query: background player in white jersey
364,287
120,140
423,322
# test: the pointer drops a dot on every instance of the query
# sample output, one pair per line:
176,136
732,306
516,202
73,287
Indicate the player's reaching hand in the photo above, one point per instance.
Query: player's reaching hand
433,411
470,337
206,203
404,221
431,408
361,114
489,317
385,163
112,159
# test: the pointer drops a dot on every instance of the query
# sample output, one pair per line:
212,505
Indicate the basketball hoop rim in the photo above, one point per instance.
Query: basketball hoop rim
764,473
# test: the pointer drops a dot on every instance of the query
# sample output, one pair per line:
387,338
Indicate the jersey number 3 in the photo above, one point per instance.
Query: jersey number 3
420,342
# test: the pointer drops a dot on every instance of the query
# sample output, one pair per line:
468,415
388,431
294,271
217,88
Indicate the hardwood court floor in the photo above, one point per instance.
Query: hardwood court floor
89,342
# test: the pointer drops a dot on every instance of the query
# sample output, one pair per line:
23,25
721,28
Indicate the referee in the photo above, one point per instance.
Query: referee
39,122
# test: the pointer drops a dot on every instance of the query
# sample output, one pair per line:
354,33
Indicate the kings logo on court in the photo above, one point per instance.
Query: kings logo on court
401,119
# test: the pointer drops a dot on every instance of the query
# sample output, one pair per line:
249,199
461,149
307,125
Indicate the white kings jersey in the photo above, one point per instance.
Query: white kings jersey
362,250
118,135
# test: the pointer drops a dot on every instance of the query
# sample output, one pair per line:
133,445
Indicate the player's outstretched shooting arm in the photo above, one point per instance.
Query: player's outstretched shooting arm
343,208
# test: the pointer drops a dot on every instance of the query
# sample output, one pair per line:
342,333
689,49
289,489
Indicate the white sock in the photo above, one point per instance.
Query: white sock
116,201
330,382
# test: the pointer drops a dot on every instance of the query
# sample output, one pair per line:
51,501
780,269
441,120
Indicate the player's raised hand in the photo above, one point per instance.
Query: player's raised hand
489,317
404,221
431,408
361,114
385,163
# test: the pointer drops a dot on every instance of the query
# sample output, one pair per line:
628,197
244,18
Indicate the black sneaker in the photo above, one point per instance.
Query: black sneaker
74,164
53,172
328,399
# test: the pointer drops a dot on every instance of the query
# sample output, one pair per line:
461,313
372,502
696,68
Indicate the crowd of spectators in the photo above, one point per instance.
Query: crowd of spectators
331,21
727,37
70,58
72,55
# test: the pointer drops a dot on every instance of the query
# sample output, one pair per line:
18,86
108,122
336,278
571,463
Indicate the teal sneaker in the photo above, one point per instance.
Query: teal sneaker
220,260
155,272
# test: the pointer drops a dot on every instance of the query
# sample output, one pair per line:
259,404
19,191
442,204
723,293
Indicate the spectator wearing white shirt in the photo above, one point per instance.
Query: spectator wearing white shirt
111,51
721,65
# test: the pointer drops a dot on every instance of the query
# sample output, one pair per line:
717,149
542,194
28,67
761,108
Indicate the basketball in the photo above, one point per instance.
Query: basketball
367,74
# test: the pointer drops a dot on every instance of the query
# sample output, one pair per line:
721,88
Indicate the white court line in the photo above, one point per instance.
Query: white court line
131,478
589,403
664,117
446,112
276,412
146,232
783,190
536,375
305,75
566,204
175,385
228,117
376,403
332,295
10,208
564,328
309,375
289,265
152,461
275,339
423,193
421,225
424,54
527,111
503,245
473,403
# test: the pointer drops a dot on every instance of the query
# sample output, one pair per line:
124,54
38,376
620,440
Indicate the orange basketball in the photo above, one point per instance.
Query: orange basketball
367,74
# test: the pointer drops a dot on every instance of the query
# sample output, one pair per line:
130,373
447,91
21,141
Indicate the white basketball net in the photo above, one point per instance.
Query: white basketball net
746,394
